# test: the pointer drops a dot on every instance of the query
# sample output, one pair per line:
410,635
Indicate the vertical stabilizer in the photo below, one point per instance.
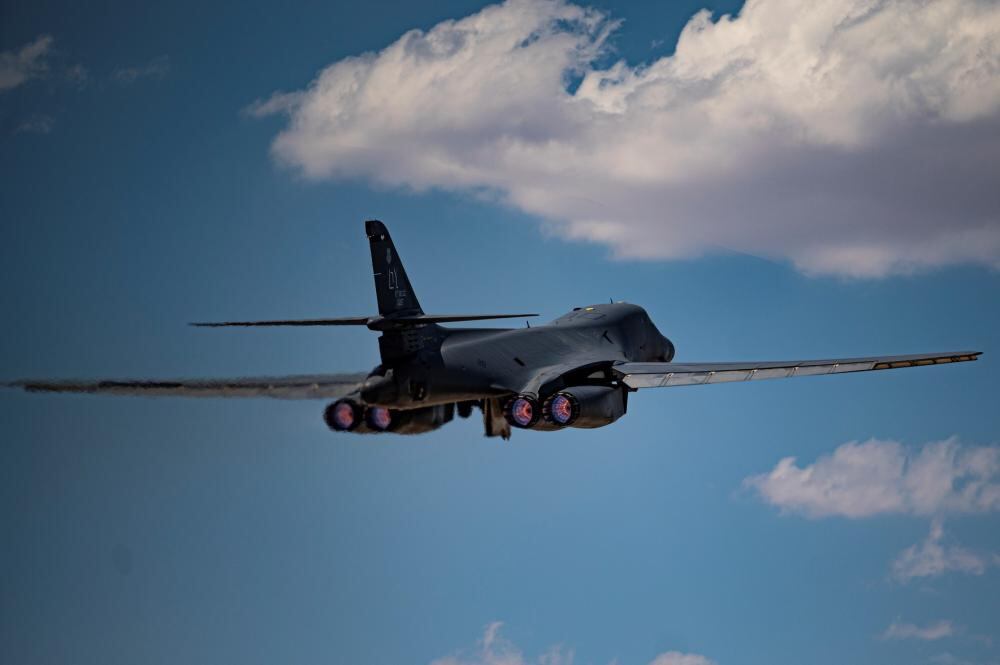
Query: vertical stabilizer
392,286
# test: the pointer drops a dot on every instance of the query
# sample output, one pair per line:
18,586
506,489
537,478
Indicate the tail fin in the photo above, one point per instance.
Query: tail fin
392,286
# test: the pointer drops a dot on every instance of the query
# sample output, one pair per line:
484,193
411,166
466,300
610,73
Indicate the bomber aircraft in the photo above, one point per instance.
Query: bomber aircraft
576,371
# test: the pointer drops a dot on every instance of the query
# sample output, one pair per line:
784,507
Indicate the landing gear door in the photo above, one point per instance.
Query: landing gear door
494,423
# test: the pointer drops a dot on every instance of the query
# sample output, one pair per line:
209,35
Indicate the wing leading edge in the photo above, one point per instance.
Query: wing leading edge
657,375
309,386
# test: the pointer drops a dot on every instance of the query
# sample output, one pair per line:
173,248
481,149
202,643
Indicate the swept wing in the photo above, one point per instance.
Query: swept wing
657,375
306,386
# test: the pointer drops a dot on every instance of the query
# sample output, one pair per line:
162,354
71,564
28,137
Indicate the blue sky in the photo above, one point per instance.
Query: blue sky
146,183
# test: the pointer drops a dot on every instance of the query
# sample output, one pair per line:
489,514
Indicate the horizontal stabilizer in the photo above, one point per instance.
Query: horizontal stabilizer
454,318
342,321
373,322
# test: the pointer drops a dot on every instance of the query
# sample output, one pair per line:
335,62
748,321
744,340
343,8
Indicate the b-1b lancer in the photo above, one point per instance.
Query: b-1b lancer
576,371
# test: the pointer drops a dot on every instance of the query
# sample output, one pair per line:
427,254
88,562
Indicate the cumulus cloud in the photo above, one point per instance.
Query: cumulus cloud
883,477
494,649
28,62
931,558
906,631
158,67
850,137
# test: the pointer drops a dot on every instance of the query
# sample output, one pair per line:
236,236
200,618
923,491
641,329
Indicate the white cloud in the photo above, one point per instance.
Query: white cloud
278,102
931,558
494,649
678,658
16,67
882,477
36,124
158,67
905,631
850,137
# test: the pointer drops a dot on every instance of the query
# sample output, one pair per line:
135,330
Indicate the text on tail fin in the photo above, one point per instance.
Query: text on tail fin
392,286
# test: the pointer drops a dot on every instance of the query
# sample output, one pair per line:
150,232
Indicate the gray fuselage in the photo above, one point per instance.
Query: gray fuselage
453,365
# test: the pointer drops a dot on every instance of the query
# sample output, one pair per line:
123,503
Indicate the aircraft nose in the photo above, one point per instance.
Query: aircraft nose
668,349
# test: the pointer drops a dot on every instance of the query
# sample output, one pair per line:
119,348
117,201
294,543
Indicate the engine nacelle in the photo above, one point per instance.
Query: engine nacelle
344,415
380,418
522,411
424,419
347,415
585,406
